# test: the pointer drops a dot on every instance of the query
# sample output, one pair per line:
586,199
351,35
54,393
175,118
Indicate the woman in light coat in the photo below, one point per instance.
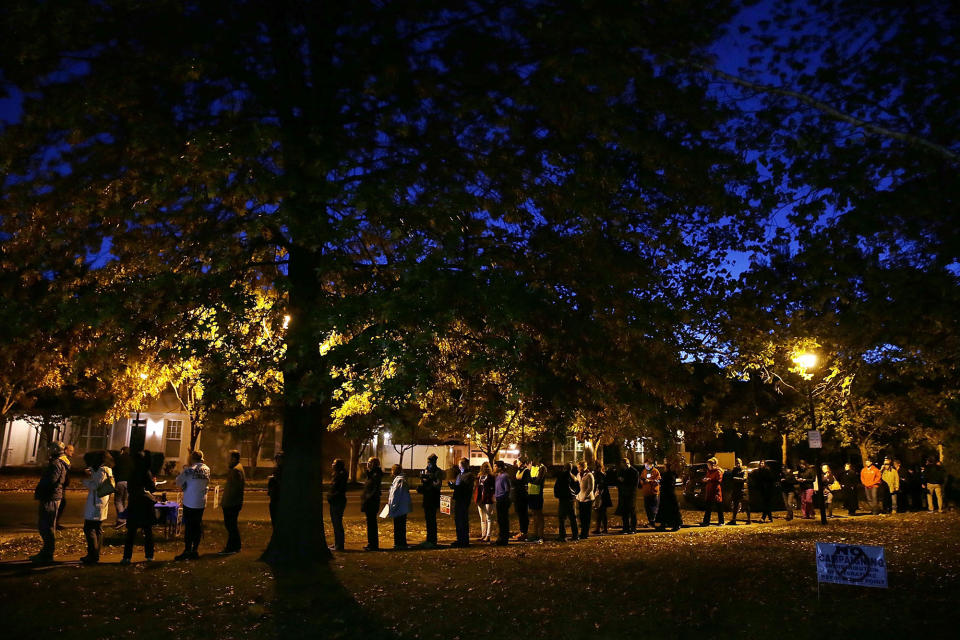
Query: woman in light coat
97,507
399,505
585,498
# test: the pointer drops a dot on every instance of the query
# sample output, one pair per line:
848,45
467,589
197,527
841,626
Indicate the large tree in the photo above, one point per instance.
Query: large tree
392,166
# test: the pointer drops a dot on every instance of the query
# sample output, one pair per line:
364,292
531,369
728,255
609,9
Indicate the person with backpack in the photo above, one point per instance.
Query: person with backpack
100,485
48,493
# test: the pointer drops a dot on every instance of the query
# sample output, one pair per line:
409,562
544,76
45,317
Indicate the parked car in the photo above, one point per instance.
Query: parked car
693,484
775,467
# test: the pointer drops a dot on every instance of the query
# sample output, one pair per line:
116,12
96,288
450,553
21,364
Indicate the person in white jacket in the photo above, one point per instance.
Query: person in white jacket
97,507
585,498
193,480
398,506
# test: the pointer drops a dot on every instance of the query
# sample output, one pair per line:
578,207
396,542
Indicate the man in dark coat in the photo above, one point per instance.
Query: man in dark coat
48,493
520,481
370,502
565,489
462,498
431,482
232,503
628,479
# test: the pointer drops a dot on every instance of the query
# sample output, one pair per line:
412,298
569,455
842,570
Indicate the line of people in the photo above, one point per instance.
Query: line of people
583,497
135,494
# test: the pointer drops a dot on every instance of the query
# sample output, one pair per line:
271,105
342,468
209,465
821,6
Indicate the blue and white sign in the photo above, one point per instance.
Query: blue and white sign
851,564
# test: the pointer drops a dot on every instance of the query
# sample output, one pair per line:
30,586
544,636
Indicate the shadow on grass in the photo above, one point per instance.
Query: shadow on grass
314,604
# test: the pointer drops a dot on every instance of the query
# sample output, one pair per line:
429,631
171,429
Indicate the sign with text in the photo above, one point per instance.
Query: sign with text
814,440
445,504
858,565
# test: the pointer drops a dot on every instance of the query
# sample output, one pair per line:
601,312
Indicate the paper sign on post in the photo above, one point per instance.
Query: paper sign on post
445,504
858,565
814,440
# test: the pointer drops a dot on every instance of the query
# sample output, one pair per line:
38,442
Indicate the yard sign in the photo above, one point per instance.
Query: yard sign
851,564
445,504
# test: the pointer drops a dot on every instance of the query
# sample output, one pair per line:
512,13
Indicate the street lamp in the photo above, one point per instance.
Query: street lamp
807,361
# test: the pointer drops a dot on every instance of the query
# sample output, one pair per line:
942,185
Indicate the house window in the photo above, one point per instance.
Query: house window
93,437
269,446
570,450
174,434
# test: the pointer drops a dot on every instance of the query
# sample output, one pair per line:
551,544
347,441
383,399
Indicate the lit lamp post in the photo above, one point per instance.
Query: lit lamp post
807,361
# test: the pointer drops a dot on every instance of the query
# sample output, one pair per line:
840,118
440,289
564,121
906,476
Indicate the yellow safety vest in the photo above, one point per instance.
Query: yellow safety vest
533,488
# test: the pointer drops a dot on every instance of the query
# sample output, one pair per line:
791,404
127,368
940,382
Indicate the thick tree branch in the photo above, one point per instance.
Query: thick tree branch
828,110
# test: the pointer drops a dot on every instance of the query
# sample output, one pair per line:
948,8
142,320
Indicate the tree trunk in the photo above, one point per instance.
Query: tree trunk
356,449
865,448
783,449
298,538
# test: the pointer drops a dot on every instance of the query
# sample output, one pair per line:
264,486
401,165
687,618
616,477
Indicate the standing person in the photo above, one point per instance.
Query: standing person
49,493
97,508
140,510
712,494
123,466
66,457
737,481
902,496
585,497
462,492
370,502
603,501
537,478
484,499
830,485
431,483
915,482
934,478
766,484
232,503
337,499
870,479
520,497
788,487
668,512
849,481
273,487
565,489
627,482
889,486
807,476
398,506
650,490
501,494
193,481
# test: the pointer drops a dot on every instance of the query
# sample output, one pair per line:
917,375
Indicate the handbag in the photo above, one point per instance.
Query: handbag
106,487
835,486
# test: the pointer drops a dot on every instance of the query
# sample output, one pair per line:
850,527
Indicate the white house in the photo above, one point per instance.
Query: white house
165,428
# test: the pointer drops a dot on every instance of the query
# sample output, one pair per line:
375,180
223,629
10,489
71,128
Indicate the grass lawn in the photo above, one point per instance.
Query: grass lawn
713,582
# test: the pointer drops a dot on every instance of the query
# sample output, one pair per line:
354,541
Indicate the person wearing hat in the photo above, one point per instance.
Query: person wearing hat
431,482
193,481
48,493
889,486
